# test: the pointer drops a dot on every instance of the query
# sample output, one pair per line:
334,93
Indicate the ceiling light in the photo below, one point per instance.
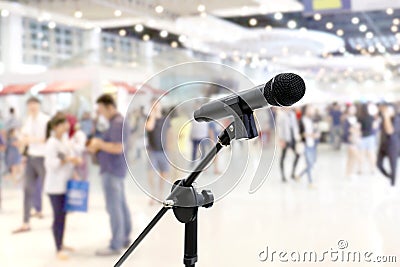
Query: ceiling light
118,13
363,28
394,28
163,34
182,38
371,49
355,20
317,17
122,32
329,25
159,9
396,21
268,27
253,22
222,55
397,36
146,37
52,25
5,13
369,35
139,27
78,14
396,47
278,16
174,44
389,11
340,32
292,24
201,8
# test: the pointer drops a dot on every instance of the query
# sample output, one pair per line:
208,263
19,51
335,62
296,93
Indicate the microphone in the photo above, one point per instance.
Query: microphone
284,89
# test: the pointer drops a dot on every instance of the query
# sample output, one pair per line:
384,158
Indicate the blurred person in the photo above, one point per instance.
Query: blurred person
59,164
199,134
86,124
264,118
352,137
13,155
2,123
100,125
335,114
78,144
137,122
110,156
288,133
157,128
12,121
2,149
367,145
33,136
310,135
180,129
389,146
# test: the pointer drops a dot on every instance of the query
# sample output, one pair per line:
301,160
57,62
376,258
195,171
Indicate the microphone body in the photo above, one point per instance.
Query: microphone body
283,90
220,108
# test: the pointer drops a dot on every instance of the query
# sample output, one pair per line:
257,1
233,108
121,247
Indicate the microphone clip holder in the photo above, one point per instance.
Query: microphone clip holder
244,122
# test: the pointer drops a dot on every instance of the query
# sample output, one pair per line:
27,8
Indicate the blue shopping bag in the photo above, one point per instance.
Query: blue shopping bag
77,196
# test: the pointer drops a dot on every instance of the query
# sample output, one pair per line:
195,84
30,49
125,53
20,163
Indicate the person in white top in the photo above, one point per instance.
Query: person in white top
33,135
288,132
59,164
309,135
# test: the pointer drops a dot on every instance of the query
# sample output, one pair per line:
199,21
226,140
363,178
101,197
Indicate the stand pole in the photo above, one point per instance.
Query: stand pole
190,256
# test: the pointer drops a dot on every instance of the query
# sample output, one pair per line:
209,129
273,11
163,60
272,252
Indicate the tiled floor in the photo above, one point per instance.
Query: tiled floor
363,211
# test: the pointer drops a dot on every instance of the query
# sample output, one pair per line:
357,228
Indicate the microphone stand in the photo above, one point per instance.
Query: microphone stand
185,200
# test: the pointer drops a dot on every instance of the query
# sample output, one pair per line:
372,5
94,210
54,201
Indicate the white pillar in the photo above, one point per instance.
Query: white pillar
92,43
11,42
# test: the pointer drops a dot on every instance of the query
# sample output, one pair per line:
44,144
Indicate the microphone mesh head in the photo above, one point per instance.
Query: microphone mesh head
285,89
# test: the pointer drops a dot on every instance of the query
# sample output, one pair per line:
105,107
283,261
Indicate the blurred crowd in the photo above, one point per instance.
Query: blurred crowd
41,153
370,133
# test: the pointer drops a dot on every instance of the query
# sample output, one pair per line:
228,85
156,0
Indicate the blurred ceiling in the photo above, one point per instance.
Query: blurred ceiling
104,9
361,42
372,32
